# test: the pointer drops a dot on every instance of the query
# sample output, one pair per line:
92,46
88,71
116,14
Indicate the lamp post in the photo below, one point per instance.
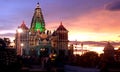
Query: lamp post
19,31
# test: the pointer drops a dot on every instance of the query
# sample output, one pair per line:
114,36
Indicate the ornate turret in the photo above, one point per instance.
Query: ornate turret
23,26
61,28
62,33
37,23
62,39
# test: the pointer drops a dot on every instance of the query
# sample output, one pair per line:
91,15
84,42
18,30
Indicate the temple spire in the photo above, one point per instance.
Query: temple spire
38,23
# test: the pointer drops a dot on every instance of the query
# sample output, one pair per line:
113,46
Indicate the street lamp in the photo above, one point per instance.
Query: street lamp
19,31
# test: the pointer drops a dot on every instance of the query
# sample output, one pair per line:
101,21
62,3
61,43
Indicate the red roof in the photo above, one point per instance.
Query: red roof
23,26
61,27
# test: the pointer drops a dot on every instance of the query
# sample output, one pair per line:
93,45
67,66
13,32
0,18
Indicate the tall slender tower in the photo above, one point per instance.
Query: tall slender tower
37,23
38,38
21,37
62,39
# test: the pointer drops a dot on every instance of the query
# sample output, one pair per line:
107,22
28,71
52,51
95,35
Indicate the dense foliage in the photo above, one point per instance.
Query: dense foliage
89,59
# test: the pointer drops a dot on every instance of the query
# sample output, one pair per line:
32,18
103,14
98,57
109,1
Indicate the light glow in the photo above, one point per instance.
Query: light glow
22,44
39,27
19,30
80,36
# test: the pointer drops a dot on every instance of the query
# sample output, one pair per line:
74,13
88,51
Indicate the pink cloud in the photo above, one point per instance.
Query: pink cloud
95,24
97,21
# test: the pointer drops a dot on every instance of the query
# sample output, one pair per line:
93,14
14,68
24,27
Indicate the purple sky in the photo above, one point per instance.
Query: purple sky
76,15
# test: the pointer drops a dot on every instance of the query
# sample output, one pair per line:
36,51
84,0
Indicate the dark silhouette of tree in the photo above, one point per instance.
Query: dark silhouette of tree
7,42
2,44
90,59
117,55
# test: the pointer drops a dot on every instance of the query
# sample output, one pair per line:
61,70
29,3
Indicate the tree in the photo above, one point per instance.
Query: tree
90,59
2,44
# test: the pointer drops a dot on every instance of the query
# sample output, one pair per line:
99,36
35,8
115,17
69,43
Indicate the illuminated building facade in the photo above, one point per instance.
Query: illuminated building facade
60,40
39,41
22,38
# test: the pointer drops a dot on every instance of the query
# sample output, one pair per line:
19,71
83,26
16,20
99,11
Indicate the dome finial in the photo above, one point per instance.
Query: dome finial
38,5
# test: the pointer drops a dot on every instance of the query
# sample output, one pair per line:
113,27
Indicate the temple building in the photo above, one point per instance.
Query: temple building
60,40
37,40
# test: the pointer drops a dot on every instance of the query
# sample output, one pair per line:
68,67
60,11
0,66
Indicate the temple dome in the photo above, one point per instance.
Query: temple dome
108,47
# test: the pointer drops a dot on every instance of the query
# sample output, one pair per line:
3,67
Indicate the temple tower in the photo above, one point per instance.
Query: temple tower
37,23
61,40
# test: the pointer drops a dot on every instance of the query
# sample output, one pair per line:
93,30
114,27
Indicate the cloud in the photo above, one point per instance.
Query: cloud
68,9
119,36
76,17
96,43
113,6
7,34
95,25
101,21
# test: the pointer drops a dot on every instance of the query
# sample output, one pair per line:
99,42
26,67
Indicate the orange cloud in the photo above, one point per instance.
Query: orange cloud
98,21
95,25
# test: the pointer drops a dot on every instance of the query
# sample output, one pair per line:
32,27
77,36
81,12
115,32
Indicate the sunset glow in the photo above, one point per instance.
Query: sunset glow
86,20
93,36
99,50
78,49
